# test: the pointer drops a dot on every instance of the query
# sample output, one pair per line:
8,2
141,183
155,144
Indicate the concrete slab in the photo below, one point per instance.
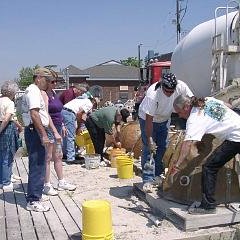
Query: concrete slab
178,214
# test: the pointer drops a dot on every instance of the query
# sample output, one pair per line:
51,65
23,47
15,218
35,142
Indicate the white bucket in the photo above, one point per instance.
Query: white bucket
92,161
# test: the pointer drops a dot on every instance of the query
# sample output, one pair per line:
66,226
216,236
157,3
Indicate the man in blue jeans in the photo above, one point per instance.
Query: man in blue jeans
154,115
36,119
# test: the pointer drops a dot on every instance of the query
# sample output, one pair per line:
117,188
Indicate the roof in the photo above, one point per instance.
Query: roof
74,71
112,70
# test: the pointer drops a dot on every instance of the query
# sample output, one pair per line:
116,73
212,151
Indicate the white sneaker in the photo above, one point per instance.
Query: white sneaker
8,187
49,190
37,207
64,185
148,187
44,198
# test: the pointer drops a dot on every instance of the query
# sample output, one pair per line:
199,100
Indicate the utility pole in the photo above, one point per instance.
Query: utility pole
139,60
67,77
178,21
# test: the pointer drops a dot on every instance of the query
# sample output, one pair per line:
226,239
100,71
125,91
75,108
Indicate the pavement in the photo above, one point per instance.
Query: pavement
132,218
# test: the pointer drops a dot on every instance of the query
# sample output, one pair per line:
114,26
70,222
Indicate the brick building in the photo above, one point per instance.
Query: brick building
109,80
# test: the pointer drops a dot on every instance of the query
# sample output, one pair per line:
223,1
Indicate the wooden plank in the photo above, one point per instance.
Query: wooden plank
39,221
55,225
2,217
25,218
69,224
55,222
72,206
12,222
12,219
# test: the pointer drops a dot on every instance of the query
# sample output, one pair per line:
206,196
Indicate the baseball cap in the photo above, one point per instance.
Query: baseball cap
45,72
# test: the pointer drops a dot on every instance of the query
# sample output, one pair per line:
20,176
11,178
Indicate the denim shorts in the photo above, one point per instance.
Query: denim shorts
51,135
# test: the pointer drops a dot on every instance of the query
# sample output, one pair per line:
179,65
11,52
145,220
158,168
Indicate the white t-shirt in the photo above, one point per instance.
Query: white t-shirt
160,106
200,123
33,99
6,106
79,103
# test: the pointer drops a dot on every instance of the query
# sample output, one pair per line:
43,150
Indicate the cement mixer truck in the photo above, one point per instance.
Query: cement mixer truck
208,58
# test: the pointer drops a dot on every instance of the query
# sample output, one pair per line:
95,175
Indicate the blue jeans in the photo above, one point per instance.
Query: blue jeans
159,135
37,164
69,119
6,162
8,148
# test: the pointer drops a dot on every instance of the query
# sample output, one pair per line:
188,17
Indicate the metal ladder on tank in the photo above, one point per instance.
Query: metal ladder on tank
222,49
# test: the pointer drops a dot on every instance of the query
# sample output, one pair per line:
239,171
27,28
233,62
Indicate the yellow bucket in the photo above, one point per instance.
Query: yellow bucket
96,220
114,159
83,139
89,149
124,167
114,153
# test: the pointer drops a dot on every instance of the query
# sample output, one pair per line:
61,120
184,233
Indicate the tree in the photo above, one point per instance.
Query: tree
26,76
131,61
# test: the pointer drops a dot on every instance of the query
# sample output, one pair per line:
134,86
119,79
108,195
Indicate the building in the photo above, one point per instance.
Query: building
109,81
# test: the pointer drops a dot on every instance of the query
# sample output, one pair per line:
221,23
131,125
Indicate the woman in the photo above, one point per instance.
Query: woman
8,133
53,150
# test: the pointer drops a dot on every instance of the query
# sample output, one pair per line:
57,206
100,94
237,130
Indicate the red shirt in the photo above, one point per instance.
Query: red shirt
67,95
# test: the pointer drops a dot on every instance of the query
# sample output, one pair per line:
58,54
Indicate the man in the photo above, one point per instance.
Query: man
210,116
73,112
36,119
75,91
154,115
100,122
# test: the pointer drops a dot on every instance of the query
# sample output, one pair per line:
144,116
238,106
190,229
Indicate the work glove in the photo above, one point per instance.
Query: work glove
152,146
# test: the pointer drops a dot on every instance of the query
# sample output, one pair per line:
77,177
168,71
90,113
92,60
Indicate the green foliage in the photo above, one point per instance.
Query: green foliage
131,61
26,76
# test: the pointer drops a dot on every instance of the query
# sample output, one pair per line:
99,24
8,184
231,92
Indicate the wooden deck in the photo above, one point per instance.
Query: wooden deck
63,221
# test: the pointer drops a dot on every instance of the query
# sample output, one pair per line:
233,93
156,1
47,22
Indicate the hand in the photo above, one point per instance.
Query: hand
20,128
118,145
78,131
45,140
58,137
173,172
152,146
64,131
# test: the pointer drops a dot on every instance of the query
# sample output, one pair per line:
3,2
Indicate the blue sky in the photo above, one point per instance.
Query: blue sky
86,33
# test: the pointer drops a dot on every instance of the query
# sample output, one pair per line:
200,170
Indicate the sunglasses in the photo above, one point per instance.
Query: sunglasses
168,90
53,82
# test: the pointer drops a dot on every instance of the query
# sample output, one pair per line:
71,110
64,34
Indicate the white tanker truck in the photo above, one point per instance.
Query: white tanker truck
208,58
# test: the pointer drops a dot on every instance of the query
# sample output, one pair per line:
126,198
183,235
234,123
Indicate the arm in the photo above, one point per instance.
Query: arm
51,125
34,113
117,137
5,121
185,151
148,128
19,126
